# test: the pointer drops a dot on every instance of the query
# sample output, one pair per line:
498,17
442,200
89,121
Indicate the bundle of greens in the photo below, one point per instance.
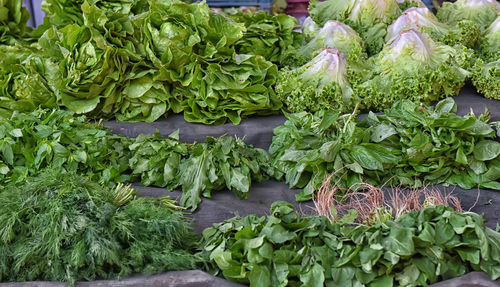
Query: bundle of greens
23,87
482,12
421,19
409,145
417,249
194,48
412,66
62,227
87,72
486,70
32,141
272,37
156,159
220,163
322,83
13,18
369,18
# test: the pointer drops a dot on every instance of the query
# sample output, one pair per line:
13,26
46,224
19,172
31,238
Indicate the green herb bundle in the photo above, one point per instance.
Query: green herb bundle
419,248
220,163
408,145
62,227
198,169
31,141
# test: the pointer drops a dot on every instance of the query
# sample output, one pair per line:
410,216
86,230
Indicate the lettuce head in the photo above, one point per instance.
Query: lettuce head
486,78
482,12
335,34
417,18
322,83
309,28
423,20
490,44
486,71
412,66
369,18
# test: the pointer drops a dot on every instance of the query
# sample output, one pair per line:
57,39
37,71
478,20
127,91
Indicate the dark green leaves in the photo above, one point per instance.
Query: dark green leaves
486,150
220,163
417,249
407,145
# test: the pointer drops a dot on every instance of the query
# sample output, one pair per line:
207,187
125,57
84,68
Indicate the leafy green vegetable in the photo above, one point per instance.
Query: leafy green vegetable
488,49
417,249
412,66
13,18
240,87
168,57
310,28
220,163
61,13
423,20
272,37
409,145
23,88
336,35
486,70
369,18
407,4
32,141
156,159
486,78
62,227
482,12
322,83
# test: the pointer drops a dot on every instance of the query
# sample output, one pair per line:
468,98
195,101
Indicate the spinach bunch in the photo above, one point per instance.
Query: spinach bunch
59,226
220,163
408,145
419,248
198,169
156,160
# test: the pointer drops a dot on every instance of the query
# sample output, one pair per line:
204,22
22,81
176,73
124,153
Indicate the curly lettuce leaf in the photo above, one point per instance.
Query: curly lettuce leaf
369,18
486,78
482,12
322,83
412,66
337,35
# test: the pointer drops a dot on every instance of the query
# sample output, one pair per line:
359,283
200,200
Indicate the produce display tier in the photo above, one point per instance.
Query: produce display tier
258,131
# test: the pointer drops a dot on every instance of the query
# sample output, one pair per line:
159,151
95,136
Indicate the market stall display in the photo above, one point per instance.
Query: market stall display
362,150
